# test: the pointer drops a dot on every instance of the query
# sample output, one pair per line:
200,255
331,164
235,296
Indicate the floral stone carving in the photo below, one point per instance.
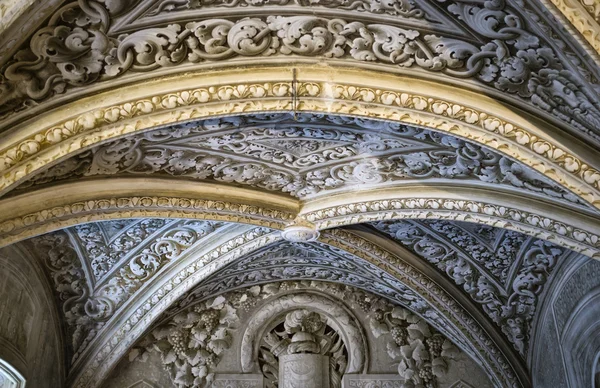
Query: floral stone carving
76,48
87,309
192,339
402,8
105,254
423,355
481,268
275,153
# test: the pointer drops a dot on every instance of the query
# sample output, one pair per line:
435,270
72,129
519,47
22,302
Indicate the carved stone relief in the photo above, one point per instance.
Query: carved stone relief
104,250
305,156
309,262
480,259
303,350
287,324
76,48
401,8
87,307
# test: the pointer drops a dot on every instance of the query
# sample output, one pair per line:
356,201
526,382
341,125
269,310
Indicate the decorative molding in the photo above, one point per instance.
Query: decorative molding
373,381
458,210
238,381
404,9
278,308
138,207
575,175
103,254
124,335
133,324
423,355
584,15
305,262
259,340
492,358
75,48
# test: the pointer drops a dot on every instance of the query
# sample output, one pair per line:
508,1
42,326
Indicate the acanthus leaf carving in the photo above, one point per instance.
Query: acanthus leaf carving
104,254
86,311
402,8
276,154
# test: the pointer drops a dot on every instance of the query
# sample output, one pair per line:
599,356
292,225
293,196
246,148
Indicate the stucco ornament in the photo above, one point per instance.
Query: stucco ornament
304,155
77,48
504,271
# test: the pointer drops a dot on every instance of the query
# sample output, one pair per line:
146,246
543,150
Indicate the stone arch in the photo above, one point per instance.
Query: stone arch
496,357
34,145
339,318
81,202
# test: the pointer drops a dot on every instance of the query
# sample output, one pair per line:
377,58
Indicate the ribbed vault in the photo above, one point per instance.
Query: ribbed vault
439,156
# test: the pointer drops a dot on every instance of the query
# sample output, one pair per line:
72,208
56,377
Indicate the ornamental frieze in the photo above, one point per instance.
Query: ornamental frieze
76,49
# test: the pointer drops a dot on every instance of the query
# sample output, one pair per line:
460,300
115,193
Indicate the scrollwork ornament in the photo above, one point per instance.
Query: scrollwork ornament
75,51
474,266
398,152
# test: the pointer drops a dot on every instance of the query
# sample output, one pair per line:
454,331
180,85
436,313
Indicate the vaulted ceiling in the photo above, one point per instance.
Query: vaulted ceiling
439,154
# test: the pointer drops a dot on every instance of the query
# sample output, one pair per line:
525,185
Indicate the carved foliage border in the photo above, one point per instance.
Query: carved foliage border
138,207
482,127
536,225
584,15
496,361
